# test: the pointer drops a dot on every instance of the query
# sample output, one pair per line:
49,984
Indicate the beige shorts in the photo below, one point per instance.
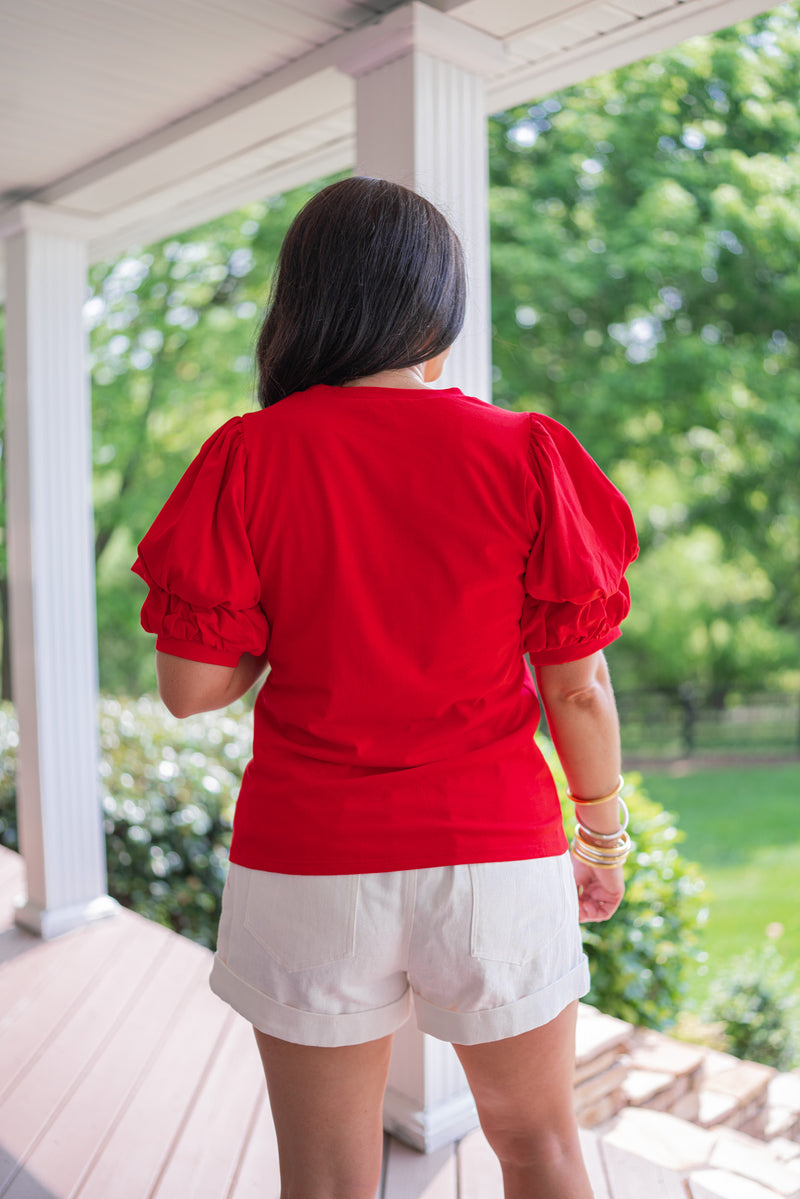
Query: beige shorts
487,951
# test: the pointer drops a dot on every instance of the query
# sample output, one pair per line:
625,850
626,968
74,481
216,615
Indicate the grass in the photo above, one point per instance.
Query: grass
742,827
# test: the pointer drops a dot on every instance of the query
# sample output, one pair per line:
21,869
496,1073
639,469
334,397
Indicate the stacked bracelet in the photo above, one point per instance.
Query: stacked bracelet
606,857
600,798
606,838
603,850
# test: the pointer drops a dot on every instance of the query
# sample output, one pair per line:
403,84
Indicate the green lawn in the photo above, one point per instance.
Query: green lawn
742,827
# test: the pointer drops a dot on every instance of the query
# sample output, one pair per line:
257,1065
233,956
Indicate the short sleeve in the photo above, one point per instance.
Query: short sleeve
204,599
583,540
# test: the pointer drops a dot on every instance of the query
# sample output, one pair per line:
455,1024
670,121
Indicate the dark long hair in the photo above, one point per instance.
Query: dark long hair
370,278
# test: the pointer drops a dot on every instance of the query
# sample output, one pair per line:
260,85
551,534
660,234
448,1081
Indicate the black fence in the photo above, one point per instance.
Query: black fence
669,724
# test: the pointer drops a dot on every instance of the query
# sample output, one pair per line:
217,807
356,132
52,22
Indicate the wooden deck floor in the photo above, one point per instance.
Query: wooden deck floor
123,1077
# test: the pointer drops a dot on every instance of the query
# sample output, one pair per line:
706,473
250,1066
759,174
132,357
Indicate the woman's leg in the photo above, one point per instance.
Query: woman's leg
523,1091
327,1109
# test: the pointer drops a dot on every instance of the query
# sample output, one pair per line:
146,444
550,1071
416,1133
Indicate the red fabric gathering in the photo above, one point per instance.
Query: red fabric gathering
583,541
204,601
397,551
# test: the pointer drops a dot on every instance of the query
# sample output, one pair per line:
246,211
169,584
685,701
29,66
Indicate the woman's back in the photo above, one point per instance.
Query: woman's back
397,550
391,532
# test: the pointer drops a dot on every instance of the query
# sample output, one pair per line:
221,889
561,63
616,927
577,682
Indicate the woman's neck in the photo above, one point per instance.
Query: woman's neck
409,376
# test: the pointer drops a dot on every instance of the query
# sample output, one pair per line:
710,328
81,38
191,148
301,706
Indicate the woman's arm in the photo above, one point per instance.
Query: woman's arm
582,718
189,687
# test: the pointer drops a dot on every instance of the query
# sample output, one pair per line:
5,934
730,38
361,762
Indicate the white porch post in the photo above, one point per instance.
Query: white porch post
421,121
51,571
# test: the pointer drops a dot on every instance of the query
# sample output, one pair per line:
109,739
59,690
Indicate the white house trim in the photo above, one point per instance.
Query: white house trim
629,43
51,574
421,122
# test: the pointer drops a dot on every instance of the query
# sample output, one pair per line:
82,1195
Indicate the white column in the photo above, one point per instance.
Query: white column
421,121
51,571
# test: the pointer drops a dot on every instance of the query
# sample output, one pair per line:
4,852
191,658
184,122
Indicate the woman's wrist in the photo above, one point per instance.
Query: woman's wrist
601,839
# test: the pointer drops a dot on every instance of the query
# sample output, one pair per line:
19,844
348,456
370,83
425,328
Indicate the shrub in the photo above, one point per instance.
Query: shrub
754,1000
168,792
9,739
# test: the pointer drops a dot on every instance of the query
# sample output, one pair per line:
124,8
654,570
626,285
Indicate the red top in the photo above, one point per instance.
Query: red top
398,551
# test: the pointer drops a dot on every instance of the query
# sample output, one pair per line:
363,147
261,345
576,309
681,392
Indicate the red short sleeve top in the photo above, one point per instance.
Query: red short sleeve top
397,552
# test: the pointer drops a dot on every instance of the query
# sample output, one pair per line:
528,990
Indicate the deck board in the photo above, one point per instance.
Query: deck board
479,1174
154,1116
595,1165
258,1175
50,1074
67,1146
409,1173
46,1006
205,1158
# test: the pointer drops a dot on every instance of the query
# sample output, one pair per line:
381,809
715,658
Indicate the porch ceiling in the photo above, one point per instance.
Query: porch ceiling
150,116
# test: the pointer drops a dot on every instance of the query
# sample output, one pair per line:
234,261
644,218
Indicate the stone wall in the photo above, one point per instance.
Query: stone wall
729,1128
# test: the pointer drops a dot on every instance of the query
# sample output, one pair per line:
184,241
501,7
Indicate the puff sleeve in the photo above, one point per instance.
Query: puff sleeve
583,540
204,599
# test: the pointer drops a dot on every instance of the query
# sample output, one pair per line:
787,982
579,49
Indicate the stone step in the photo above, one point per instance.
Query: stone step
721,1184
746,1082
654,1089
656,1052
786,1150
784,1091
723,1164
715,1108
744,1155
634,1177
598,1034
771,1122
660,1138
600,1111
600,1097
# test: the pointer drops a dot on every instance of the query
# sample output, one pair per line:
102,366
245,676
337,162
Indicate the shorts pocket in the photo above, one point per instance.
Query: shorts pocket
517,907
303,920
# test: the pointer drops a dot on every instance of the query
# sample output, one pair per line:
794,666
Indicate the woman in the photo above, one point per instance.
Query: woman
394,549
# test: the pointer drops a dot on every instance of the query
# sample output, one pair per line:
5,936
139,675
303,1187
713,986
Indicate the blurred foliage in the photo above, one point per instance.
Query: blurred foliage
754,1001
168,789
646,292
9,740
639,958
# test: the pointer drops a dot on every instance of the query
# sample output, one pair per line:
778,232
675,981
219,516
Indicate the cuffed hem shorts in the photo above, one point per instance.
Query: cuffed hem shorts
486,950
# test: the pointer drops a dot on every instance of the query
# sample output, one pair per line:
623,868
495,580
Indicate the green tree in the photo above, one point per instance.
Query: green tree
646,292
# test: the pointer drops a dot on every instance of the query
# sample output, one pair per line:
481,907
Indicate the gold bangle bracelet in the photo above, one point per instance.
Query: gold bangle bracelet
600,798
598,865
622,839
595,837
599,840
602,863
603,856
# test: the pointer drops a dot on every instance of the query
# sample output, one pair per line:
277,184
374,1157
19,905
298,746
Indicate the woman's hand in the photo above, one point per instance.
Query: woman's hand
599,891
